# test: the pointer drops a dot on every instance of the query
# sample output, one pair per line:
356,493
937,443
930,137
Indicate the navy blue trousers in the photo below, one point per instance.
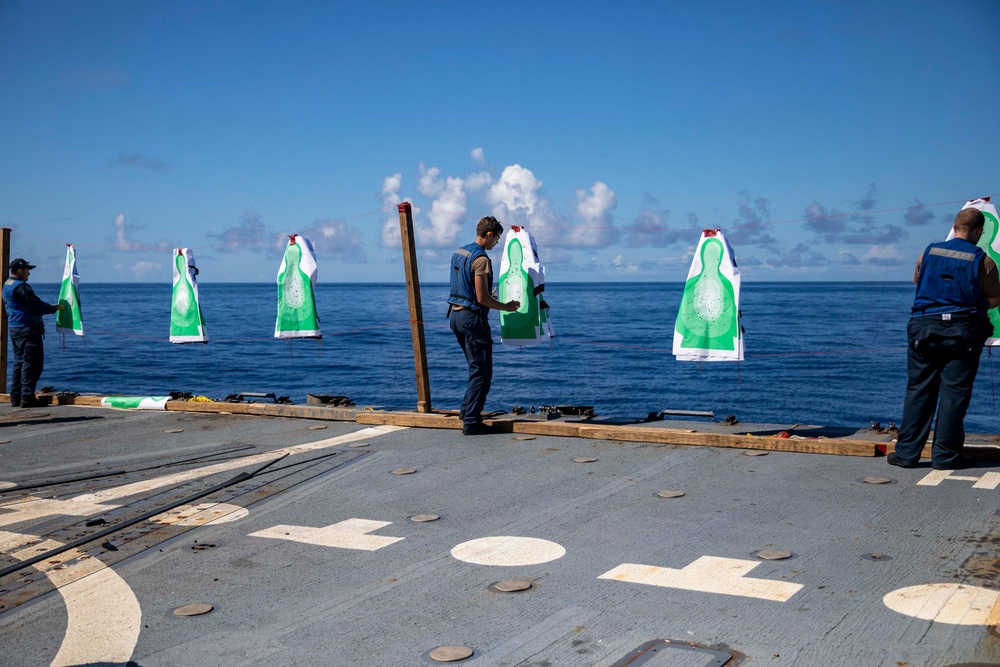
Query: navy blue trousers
473,333
942,360
29,357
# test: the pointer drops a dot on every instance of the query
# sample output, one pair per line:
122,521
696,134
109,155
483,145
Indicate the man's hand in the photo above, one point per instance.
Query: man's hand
511,306
59,306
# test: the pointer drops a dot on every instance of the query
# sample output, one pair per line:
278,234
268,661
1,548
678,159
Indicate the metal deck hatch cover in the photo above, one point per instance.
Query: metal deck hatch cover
196,609
511,585
667,653
450,653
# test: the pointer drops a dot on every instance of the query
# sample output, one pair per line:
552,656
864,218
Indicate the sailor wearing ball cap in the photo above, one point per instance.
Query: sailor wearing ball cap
27,332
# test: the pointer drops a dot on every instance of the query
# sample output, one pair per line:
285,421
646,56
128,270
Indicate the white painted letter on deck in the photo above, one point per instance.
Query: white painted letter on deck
708,574
349,534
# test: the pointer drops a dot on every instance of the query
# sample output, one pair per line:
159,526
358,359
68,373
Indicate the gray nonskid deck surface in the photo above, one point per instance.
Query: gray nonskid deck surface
282,602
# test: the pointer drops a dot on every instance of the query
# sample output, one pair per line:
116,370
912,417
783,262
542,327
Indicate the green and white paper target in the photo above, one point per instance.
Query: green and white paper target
708,324
990,243
70,320
522,279
297,316
186,322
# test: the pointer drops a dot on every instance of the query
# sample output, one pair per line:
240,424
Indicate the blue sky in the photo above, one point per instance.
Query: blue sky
613,130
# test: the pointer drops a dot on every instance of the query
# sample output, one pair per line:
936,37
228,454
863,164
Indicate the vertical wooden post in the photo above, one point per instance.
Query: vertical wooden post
416,309
4,274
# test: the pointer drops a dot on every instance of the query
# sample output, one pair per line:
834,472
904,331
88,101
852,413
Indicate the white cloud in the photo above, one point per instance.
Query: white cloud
882,254
478,181
477,155
594,210
447,210
618,265
429,184
515,199
390,198
143,270
122,242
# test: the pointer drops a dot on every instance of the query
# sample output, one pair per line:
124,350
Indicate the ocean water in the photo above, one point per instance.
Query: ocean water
816,353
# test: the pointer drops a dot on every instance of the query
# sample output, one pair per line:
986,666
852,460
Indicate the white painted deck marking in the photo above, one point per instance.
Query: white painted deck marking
202,514
169,480
104,614
989,480
89,504
956,604
104,617
708,574
508,551
349,534
35,508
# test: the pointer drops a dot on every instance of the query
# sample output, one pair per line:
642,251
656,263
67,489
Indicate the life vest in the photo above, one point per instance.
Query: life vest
949,279
17,314
463,285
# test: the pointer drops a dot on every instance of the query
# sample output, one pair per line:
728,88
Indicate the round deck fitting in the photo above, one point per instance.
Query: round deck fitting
755,452
524,437
404,471
877,480
424,518
670,494
585,459
174,430
317,428
355,445
511,586
196,609
877,557
774,554
450,653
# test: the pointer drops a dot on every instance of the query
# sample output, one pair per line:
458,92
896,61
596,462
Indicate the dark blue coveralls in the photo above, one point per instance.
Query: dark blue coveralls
27,331
946,333
471,326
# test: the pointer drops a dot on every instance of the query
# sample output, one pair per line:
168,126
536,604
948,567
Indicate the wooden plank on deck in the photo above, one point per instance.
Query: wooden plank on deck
842,447
266,410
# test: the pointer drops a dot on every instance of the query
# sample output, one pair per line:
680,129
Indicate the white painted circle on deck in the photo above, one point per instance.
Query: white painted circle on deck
956,604
508,551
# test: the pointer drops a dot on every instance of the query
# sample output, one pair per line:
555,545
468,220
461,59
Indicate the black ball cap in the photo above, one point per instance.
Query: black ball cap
18,264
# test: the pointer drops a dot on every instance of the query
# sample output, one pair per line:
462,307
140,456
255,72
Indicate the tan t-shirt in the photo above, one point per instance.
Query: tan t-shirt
481,266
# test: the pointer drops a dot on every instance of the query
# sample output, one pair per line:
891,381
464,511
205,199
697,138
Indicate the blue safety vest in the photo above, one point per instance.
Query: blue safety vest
17,315
949,279
463,285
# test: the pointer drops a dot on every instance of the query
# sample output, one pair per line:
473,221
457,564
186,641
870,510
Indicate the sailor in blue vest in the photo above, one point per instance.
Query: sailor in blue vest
956,284
469,307
24,320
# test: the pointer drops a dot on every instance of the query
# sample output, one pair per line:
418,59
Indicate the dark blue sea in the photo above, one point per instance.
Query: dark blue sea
816,353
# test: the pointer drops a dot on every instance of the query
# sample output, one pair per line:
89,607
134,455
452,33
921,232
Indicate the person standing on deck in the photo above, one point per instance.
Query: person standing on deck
956,284
27,331
468,311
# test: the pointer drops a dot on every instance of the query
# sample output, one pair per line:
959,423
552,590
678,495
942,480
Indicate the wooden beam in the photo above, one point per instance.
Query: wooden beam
665,436
5,273
416,308
266,410
416,419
